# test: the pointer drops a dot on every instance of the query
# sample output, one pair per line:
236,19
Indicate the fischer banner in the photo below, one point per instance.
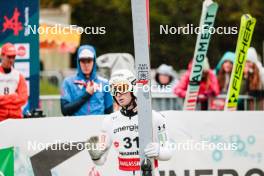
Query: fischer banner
208,144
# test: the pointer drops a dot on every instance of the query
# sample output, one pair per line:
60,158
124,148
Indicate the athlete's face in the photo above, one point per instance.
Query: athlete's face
123,99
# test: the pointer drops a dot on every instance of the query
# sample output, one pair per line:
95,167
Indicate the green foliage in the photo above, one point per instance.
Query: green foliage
177,50
46,88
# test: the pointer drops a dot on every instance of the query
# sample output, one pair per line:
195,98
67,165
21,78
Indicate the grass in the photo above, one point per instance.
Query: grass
46,88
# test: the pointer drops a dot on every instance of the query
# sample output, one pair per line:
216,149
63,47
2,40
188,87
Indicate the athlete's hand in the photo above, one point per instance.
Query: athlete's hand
90,87
93,149
97,146
152,150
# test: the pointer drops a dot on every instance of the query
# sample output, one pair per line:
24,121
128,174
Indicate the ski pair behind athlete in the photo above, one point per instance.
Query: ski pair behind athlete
120,129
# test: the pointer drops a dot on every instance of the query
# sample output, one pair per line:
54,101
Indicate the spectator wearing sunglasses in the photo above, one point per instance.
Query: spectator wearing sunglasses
13,88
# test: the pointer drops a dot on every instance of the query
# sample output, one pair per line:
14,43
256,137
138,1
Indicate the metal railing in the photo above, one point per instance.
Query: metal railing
50,104
162,101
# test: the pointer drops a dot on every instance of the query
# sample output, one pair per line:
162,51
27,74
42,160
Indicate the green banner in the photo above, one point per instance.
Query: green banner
7,162
244,39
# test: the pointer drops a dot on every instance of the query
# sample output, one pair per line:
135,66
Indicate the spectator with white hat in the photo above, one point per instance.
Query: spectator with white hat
86,93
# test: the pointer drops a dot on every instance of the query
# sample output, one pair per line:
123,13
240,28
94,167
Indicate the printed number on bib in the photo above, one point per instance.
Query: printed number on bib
6,91
129,142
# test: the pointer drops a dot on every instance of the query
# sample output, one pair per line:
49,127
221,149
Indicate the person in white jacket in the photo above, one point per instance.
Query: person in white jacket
252,57
121,130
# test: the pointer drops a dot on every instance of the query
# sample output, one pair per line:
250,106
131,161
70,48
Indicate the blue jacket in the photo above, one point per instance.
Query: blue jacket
74,98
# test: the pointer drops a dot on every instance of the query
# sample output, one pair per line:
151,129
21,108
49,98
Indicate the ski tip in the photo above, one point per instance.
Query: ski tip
208,3
248,17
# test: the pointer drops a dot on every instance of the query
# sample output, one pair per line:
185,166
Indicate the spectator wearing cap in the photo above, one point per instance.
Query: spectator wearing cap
85,92
13,88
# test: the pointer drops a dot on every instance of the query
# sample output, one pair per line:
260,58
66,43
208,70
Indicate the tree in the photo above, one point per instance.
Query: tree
176,50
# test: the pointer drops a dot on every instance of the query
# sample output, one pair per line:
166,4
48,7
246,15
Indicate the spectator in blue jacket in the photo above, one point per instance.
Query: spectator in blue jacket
85,93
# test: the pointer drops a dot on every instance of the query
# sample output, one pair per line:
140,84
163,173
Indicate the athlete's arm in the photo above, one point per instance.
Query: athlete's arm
160,148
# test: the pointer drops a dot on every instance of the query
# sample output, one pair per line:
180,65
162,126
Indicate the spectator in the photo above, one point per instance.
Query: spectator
223,71
80,95
165,78
252,83
13,88
252,60
208,85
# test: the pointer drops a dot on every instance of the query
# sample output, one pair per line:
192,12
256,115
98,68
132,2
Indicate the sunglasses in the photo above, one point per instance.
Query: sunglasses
120,88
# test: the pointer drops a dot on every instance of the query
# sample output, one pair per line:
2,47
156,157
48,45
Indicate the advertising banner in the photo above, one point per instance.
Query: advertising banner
16,19
204,143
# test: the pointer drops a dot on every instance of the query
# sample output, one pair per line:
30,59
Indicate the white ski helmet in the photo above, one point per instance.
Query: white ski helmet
122,81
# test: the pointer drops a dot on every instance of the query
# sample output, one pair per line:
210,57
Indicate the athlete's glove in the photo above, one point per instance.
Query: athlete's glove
94,150
152,150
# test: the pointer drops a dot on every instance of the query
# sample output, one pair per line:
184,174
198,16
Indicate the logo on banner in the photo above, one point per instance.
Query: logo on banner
232,99
13,23
116,144
23,50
